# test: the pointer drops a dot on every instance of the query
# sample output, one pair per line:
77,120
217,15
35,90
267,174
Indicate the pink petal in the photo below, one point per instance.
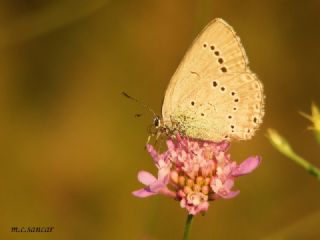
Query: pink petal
163,175
179,138
142,193
230,194
170,145
246,166
156,186
193,210
228,184
224,145
146,178
203,207
165,191
152,152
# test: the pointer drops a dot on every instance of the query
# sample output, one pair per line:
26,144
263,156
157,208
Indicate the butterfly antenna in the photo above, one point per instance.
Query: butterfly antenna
137,101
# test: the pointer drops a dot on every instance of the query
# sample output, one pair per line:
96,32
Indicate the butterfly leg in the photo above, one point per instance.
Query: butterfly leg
157,135
148,140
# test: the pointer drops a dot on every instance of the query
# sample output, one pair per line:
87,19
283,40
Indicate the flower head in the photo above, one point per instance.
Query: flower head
194,172
315,119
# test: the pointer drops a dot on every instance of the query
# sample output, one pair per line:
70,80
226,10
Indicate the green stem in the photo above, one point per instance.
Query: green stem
284,147
305,164
187,227
317,134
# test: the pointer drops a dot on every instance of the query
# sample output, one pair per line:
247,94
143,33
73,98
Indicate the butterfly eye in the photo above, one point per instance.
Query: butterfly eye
204,45
233,93
192,103
156,121
222,89
229,116
216,53
236,100
220,60
212,47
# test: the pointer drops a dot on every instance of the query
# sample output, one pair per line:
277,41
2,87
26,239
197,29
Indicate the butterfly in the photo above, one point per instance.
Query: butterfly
213,95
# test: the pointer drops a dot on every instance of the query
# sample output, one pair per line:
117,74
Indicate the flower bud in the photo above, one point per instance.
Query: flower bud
207,181
187,190
205,189
182,180
199,180
174,176
190,182
197,188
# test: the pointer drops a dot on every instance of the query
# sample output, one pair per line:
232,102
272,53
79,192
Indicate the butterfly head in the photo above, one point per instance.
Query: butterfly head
156,121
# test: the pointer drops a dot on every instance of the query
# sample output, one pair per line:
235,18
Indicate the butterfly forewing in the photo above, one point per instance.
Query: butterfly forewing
213,95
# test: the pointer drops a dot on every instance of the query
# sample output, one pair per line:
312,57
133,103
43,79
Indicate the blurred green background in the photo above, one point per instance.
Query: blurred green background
71,146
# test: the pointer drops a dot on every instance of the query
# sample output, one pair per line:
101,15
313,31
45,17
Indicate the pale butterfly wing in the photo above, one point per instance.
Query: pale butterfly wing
213,95
216,48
